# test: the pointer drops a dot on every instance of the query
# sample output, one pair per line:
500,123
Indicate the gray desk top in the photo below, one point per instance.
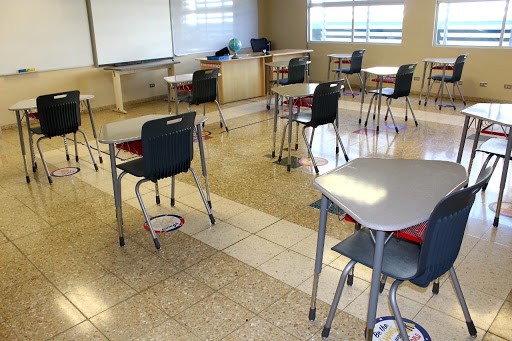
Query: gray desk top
184,78
382,70
31,103
440,60
390,194
141,66
340,55
296,90
494,112
130,129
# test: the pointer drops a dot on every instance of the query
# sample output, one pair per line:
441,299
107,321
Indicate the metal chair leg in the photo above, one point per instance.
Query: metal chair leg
462,301
43,160
369,109
157,193
203,196
349,86
460,93
340,143
408,102
173,186
76,147
145,212
89,149
388,103
336,300
221,117
310,153
396,311
282,142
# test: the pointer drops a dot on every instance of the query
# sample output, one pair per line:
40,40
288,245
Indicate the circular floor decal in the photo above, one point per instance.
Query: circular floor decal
66,171
386,329
306,161
166,223
506,208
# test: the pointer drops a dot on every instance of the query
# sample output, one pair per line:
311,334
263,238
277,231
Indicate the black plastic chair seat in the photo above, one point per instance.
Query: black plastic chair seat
447,78
133,167
387,92
302,117
400,260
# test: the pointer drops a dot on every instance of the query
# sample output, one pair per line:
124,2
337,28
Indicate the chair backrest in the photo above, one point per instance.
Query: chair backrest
204,86
445,230
403,80
297,70
260,44
325,103
457,67
59,113
167,145
356,61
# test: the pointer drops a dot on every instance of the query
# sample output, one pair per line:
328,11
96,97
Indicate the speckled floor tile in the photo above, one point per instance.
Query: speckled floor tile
214,317
345,327
221,235
290,267
99,295
254,250
130,319
252,220
259,329
219,270
169,330
285,233
47,320
256,290
84,331
177,293
291,312
491,337
501,325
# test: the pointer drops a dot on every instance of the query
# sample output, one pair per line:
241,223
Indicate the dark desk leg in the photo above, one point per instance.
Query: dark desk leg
380,79
199,134
428,83
506,161
31,143
423,79
117,192
463,139
290,132
475,145
91,117
375,284
22,145
365,76
274,132
442,87
324,205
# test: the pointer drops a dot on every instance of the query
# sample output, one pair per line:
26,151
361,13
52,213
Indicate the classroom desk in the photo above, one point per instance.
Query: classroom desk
23,108
380,72
341,57
118,71
173,82
244,77
291,92
384,195
278,66
128,131
496,113
430,63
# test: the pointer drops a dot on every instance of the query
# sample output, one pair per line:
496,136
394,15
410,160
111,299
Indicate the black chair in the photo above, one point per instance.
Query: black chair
323,111
59,114
296,74
167,150
454,79
204,90
406,261
260,44
356,62
403,83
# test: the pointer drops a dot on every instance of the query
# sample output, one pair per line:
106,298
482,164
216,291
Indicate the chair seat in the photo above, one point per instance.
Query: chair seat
343,70
400,259
36,130
495,146
133,167
447,78
388,92
283,81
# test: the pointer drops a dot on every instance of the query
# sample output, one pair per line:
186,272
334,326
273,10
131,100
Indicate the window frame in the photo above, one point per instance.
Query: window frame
502,42
352,4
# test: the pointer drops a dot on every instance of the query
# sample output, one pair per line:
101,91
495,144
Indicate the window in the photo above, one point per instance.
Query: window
356,21
473,23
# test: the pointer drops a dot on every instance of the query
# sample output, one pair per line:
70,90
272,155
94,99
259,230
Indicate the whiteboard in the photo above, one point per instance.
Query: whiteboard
44,34
130,30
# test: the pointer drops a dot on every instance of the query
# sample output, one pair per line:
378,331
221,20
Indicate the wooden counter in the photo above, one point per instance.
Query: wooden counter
245,77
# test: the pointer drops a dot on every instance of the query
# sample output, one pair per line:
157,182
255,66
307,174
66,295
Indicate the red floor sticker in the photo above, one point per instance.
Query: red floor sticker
66,171
306,161
165,223
506,208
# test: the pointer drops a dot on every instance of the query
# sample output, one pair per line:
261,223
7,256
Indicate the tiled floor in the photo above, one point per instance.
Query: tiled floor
64,277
